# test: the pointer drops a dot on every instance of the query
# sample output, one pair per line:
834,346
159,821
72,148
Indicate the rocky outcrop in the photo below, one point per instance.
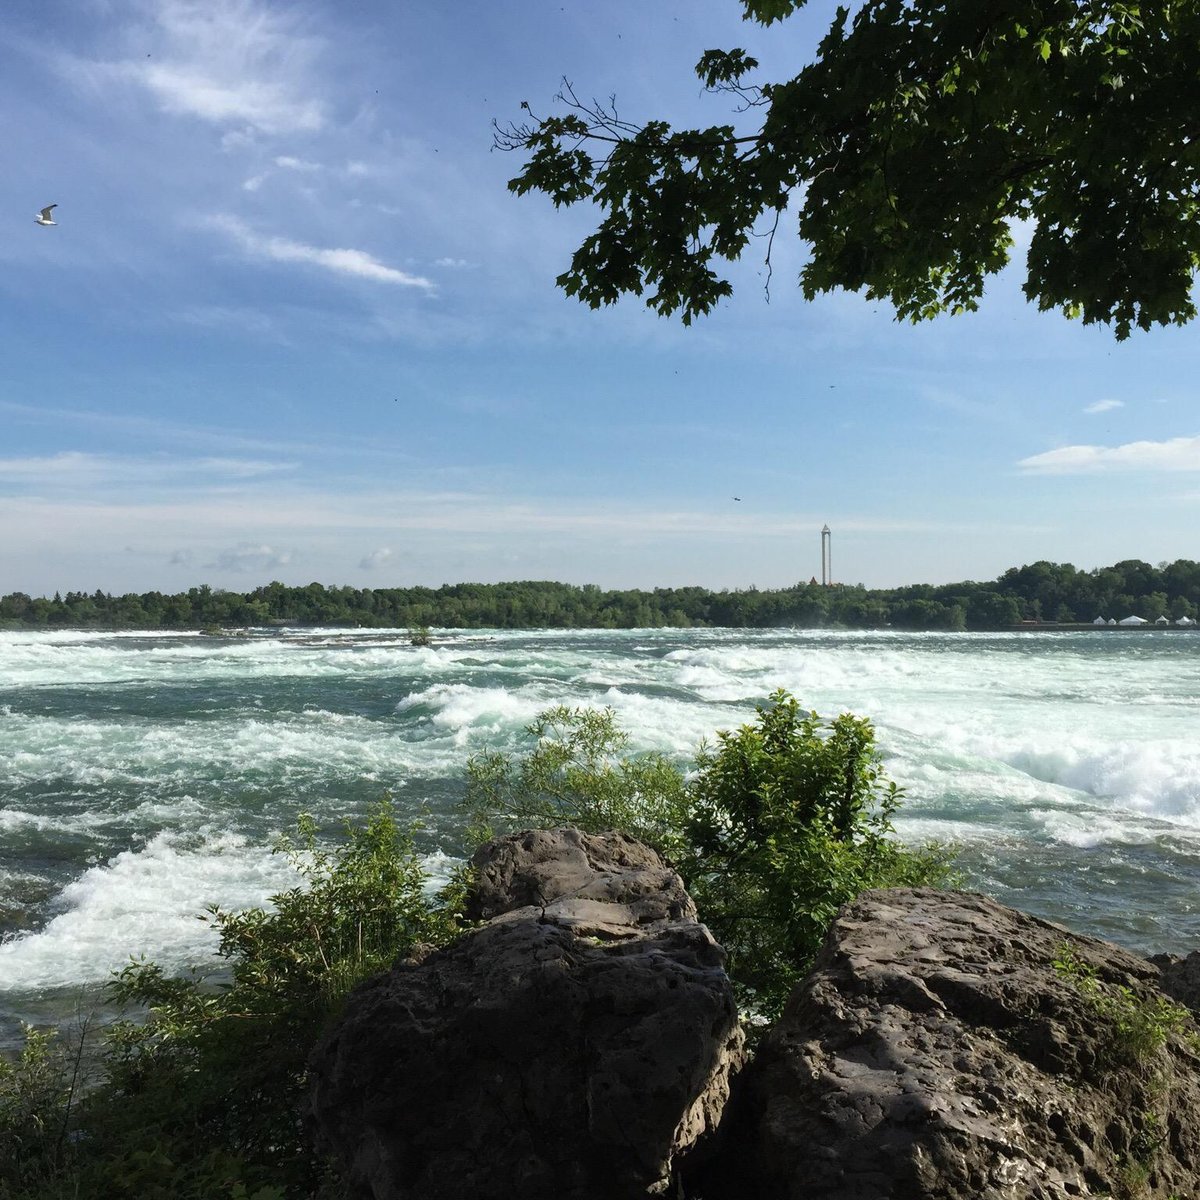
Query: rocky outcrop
575,1047
937,1052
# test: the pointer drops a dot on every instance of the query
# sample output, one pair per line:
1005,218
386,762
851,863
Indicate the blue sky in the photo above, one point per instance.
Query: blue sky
291,325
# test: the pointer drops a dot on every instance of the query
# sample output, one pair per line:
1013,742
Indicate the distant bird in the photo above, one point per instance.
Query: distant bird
44,217
738,499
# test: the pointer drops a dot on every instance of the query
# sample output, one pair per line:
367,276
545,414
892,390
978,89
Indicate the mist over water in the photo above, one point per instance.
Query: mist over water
145,776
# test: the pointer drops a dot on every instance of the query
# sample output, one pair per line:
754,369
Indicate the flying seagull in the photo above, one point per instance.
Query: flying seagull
44,217
737,498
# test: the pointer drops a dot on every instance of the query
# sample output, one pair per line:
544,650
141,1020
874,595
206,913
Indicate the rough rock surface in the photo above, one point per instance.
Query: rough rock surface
574,1047
1180,977
936,1053
568,874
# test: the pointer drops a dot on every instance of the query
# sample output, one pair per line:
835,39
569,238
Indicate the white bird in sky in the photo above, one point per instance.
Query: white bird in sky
44,217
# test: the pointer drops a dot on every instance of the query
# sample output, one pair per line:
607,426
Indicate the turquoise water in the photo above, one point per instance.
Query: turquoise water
147,775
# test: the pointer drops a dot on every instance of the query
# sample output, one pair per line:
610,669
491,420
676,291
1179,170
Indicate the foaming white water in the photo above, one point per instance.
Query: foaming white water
148,902
146,754
470,713
157,767
143,902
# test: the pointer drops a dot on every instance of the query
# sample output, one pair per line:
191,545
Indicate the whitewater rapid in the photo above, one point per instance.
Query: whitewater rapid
145,776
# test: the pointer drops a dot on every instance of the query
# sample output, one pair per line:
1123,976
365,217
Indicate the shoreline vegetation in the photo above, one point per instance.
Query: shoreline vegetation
204,1093
1038,595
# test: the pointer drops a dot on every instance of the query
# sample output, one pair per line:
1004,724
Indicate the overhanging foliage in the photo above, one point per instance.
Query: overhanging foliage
911,146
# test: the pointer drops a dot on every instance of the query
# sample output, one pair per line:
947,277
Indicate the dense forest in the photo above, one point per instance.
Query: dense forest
1040,592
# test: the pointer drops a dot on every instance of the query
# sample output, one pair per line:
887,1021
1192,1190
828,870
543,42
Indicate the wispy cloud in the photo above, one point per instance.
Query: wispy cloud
294,512
219,316
340,261
1175,454
375,559
227,62
1104,406
247,557
74,469
260,105
288,163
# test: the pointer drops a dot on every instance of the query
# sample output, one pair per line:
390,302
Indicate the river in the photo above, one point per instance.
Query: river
145,775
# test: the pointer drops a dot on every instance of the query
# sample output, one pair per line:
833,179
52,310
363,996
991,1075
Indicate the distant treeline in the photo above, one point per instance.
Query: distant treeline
1042,591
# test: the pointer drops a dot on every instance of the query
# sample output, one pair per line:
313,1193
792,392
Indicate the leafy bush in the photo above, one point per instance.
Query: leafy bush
781,824
791,817
578,774
204,1098
36,1095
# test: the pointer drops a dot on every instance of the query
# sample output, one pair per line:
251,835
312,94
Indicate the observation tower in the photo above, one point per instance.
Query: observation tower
826,557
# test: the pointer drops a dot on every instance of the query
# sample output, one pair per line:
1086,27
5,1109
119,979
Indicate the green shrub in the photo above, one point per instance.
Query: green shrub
204,1097
36,1105
577,773
781,824
419,635
791,819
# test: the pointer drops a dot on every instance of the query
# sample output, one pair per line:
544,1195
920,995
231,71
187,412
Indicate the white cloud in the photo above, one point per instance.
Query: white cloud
65,465
71,469
293,513
247,557
288,163
339,261
253,183
239,468
375,559
1104,406
451,262
260,105
238,139
225,62
217,316
1175,454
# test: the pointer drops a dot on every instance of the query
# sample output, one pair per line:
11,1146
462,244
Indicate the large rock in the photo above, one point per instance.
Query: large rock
937,1053
574,1048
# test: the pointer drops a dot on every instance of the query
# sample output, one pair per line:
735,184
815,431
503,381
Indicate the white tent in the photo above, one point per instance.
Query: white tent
1133,621
1111,621
1162,621
1098,621
1185,621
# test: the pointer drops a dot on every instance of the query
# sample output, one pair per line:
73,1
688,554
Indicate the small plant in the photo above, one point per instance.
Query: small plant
578,773
1139,1025
419,635
37,1094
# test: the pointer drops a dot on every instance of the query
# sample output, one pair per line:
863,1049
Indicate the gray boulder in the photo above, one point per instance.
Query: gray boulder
577,1047
937,1053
